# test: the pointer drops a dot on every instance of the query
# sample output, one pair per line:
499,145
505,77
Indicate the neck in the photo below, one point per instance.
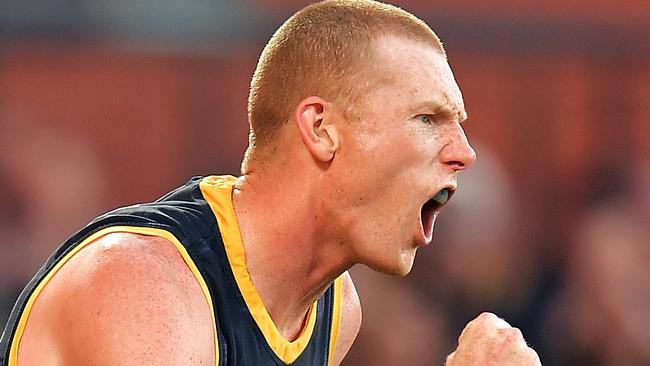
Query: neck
291,257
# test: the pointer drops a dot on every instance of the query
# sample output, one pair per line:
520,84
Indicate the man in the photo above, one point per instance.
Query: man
355,145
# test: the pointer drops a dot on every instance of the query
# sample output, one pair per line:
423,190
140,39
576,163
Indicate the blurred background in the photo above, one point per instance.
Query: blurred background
107,103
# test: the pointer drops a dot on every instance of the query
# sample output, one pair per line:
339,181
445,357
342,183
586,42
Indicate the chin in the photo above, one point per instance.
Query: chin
400,266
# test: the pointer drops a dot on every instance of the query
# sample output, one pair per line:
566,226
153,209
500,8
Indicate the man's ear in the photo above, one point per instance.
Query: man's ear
317,132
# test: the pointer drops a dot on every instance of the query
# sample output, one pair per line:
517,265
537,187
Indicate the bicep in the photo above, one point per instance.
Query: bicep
350,319
125,299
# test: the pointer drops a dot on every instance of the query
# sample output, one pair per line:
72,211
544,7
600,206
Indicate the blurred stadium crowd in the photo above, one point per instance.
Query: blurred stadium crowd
109,103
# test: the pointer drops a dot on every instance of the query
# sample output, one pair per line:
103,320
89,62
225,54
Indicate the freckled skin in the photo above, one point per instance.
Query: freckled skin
406,145
400,161
87,312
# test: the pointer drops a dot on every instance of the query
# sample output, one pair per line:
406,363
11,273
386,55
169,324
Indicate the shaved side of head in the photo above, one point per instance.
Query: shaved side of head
322,50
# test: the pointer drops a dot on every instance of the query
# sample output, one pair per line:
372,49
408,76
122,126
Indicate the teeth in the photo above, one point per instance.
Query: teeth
442,196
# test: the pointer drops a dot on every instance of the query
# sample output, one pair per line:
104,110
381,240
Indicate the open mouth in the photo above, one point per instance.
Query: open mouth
431,209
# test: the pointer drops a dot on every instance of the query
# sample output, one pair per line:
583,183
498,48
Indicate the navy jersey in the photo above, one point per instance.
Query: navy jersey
199,220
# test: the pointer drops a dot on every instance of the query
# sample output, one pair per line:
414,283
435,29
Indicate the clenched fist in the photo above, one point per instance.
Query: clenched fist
489,340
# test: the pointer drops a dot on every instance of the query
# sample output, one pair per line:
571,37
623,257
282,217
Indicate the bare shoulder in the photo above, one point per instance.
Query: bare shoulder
350,319
123,299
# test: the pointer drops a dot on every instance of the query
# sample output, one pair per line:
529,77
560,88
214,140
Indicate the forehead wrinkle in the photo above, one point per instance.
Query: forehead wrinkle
458,113
454,110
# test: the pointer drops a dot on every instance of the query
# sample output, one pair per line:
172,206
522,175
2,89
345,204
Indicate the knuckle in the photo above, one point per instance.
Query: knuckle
486,315
532,356
512,335
476,324
483,319
491,320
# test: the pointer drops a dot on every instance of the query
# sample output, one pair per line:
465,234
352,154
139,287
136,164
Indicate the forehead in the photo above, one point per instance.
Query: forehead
412,73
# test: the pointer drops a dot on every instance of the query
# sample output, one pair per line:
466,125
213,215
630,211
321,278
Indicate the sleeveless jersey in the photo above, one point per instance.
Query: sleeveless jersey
199,220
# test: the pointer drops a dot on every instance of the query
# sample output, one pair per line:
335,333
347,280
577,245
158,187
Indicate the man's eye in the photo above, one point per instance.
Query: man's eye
426,118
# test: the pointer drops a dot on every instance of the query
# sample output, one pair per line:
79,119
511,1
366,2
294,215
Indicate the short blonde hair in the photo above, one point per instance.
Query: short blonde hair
321,50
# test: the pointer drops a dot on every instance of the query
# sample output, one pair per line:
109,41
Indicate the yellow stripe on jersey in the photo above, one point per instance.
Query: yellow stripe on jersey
13,353
217,190
336,318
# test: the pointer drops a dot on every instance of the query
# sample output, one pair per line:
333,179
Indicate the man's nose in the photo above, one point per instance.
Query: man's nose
458,153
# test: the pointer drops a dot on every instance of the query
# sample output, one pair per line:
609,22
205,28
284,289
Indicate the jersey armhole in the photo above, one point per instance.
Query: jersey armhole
22,322
336,318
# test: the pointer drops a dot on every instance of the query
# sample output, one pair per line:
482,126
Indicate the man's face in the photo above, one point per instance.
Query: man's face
404,147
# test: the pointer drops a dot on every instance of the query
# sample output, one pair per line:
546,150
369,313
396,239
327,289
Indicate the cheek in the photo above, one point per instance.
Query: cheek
377,167
395,151
386,175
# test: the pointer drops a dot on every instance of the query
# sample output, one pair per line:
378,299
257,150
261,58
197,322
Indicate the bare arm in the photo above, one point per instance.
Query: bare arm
126,299
350,319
